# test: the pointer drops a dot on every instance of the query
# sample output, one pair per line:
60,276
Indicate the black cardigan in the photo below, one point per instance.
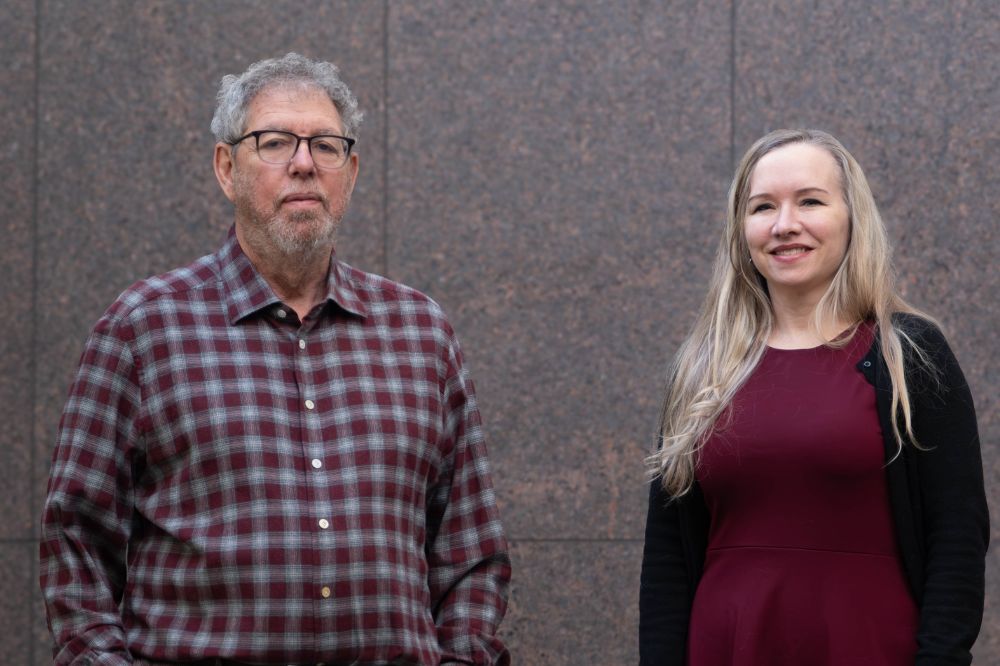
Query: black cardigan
938,505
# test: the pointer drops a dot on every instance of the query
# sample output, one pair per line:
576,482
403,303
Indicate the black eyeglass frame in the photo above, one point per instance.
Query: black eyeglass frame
298,141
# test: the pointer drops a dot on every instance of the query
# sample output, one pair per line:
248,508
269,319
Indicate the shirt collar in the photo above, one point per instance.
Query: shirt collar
246,291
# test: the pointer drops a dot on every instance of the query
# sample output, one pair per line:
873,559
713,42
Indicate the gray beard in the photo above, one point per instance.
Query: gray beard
295,246
273,241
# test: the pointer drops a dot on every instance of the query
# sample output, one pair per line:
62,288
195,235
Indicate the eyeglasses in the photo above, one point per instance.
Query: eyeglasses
328,151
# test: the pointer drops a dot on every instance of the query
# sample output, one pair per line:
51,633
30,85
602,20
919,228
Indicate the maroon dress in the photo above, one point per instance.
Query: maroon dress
802,565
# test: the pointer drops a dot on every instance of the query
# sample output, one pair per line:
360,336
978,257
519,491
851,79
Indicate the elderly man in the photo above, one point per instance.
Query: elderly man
268,456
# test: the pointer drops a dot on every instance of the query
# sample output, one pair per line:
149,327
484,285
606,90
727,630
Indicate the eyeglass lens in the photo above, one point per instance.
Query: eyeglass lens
279,148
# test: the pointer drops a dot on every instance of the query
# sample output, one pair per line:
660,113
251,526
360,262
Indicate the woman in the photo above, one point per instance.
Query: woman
819,496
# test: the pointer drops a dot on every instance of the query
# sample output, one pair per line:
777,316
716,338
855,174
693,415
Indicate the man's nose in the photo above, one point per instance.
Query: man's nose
302,161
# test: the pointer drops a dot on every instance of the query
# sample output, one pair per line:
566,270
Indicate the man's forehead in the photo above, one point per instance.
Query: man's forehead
280,104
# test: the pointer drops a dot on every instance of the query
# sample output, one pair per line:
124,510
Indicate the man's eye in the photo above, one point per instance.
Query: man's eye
274,142
327,147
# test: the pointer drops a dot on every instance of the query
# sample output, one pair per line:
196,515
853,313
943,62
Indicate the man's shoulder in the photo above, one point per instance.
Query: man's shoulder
382,295
171,287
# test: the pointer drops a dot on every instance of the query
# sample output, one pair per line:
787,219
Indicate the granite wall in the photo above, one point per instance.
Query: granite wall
552,173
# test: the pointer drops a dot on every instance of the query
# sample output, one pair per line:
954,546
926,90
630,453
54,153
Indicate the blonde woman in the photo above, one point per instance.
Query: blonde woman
818,495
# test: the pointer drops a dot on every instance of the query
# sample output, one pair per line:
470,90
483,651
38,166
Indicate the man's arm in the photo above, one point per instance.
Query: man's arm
469,568
88,509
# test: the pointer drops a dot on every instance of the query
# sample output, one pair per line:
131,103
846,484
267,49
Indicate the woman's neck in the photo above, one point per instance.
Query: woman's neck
795,326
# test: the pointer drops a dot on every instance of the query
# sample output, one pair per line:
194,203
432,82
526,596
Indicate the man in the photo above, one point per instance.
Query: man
270,457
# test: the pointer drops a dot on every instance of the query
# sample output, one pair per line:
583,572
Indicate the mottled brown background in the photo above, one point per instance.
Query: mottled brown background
552,173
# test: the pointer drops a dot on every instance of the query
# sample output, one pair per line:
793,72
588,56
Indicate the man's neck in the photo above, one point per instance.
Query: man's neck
300,281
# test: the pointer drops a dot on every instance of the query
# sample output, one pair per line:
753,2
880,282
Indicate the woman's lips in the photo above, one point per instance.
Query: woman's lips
790,253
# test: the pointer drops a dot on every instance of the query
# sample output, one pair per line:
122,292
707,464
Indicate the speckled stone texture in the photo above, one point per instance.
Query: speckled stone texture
17,153
550,169
574,602
18,344
553,173
553,189
17,581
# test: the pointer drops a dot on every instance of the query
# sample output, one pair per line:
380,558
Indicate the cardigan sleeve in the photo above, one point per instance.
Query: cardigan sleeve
955,519
665,589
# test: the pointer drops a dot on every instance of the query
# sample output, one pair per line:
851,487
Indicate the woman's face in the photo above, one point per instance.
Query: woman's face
797,221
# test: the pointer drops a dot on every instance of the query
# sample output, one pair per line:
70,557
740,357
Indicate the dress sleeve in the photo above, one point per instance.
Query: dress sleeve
665,589
955,521
469,566
88,508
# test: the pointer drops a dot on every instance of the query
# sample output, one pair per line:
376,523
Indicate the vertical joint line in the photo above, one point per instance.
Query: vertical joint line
385,138
732,85
33,302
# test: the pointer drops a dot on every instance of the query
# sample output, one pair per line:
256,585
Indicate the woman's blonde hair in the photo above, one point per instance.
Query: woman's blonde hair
732,330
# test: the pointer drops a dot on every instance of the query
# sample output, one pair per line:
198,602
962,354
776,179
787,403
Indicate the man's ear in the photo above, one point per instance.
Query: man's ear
352,167
224,162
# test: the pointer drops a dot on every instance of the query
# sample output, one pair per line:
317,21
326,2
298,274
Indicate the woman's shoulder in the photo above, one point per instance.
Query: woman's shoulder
929,358
917,326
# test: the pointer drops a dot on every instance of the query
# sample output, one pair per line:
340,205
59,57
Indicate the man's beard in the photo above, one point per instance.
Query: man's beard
284,232
291,236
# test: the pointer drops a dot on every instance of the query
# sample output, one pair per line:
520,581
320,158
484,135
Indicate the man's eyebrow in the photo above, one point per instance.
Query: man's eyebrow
323,131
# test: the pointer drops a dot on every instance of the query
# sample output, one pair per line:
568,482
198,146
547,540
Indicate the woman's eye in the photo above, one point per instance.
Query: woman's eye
812,202
761,207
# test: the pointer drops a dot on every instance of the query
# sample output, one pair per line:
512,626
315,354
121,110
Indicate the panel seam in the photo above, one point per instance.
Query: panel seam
732,85
33,301
385,138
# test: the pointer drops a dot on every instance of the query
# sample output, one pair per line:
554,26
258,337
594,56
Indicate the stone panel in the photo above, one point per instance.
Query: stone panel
574,602
556,177
17,190
127,95
912,90
17,580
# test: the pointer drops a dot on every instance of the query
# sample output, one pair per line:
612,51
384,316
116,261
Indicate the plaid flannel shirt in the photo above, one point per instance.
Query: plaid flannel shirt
230,482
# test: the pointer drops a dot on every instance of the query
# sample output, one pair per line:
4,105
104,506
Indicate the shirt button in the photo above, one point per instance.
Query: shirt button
324,523
325,591
317,463
310,404
302,344
281,313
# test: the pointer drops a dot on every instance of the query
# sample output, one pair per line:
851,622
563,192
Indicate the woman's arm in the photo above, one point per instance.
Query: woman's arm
955,521
665,590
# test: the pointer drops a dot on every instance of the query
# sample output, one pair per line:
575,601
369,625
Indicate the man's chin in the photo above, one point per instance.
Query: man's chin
303,234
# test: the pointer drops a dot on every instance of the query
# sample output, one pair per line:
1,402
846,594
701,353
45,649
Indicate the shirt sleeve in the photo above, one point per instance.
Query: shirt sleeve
88,509
954,509
469,566
664,588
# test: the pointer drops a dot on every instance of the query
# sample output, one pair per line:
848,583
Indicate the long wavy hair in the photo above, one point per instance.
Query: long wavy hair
732,330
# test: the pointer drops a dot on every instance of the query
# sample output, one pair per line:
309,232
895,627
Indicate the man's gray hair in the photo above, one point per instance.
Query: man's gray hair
236,92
